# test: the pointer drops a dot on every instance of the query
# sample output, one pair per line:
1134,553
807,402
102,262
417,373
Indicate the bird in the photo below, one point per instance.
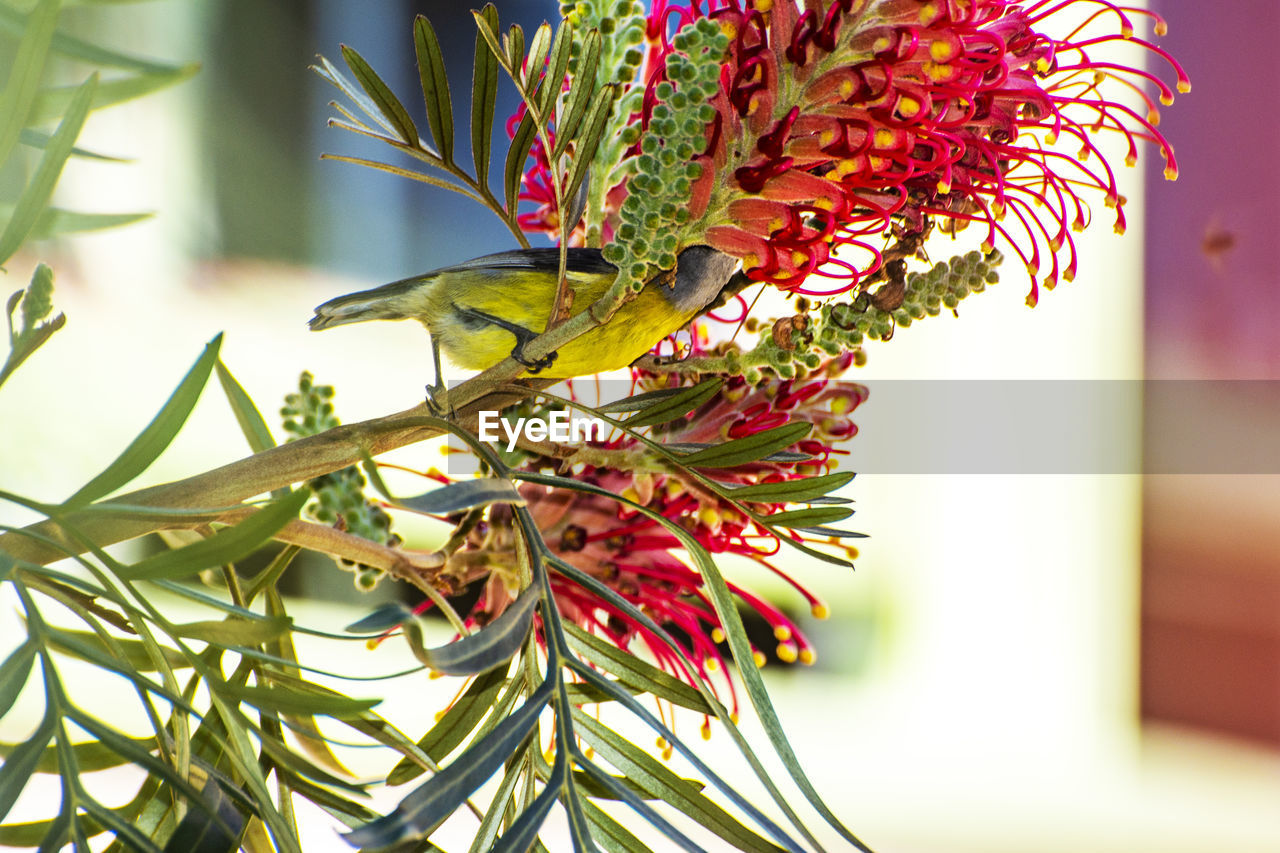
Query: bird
483,310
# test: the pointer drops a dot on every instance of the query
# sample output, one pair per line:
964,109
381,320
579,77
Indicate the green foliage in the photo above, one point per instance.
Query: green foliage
36,327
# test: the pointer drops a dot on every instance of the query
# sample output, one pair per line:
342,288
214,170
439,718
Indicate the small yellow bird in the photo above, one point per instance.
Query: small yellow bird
481,311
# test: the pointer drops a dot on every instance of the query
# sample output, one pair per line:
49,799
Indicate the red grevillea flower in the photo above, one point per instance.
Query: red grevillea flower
842,121
642,560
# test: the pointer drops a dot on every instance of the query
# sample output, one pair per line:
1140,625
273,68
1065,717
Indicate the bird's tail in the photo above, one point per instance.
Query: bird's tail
389,302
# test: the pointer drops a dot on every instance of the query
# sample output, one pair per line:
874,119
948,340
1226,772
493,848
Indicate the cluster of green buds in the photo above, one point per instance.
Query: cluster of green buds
802,342
339,497
649,223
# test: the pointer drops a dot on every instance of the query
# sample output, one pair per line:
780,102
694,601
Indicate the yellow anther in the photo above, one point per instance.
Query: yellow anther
759,658
808,657
781,633
1171,173
820,611
787,653
712,665
1184,86
706,730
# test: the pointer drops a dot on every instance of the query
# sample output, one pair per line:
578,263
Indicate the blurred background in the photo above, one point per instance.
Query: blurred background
1022,662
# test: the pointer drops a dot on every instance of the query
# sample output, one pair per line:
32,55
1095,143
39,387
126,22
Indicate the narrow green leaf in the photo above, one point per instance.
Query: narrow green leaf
71,644
385,618
156,436
484,92
134,651
139,755
463,495
235,632
517,154
14,673
382,96
439,796
588,139
581,93
25,72
282,700
831,531
493,644
68,45
493,815
520,837
21,763
90,756
252,424
553,77
452,729
651,775
611,835
740,451
324,797
37,192
626,794
536,61
634,672
108,819
51,103
435,86
53,221
515,50
731,621
792,491
224,547
215,827
40,139
669,406
816,515
282,756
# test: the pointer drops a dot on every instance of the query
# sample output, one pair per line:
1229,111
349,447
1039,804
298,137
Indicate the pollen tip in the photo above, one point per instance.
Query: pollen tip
820,611
1032,299
808,657
717,636
1126,32
1069,275
986,247
1050,282
1118,228
1131,160
787,653
782,633
706,731
1184,86
1154,118
1161,28
1171,173
1051,138
759,659
1167,100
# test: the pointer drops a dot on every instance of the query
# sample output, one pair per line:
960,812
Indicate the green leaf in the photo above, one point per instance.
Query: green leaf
234,631
108,819
452,729
463,495
740,451
68,642
497,809
517,154
610,834
40,139
251,422
515,49
14,673
731,621
395,116
553,77
484,93
588,139
282,700
520,837
134,651
213,828
37,192
667,404
224,547
90,756
19,92
439,796
581,92
626,794
651,775
155,437
493,644
792,491
435,86
634,672
51,103
817,515
54,221
538,50
77,48
21,763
